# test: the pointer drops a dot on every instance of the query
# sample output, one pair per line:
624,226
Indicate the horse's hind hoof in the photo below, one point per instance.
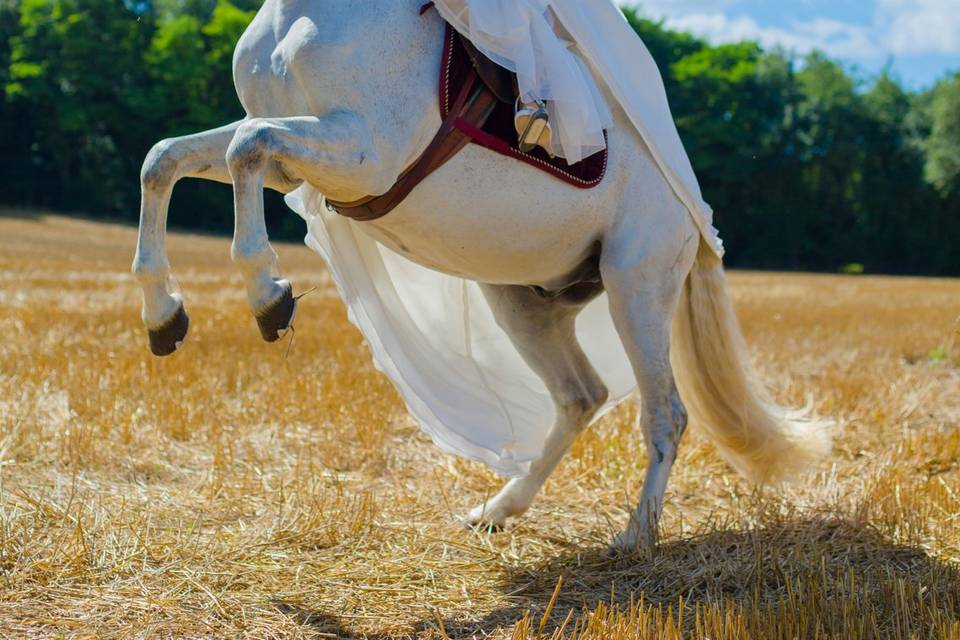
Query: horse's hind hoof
485,527
275,320
166,339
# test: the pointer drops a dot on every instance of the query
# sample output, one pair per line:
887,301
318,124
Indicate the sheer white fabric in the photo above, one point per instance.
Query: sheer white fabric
434,335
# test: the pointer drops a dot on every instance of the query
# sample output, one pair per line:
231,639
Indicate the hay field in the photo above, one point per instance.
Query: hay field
237,491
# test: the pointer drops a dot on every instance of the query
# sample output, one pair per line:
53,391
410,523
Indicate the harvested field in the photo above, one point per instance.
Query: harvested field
246,490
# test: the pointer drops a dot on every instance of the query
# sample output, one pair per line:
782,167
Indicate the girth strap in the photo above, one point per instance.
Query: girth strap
473,106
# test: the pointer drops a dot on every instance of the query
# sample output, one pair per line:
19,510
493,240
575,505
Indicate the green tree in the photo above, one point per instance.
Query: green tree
806,164
75,68
190,64
943,145
190,67
15,152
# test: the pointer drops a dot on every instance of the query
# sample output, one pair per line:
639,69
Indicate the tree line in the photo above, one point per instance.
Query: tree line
808,165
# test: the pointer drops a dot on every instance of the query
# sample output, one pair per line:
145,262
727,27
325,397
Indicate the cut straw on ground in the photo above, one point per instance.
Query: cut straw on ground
245,490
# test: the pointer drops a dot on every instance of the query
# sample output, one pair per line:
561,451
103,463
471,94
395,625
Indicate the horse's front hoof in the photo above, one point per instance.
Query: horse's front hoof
167,338
275,319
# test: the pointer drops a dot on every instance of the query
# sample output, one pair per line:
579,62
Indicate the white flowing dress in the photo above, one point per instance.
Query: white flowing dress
433,334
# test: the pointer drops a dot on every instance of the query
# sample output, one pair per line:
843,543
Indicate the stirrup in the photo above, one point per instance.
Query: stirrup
533,126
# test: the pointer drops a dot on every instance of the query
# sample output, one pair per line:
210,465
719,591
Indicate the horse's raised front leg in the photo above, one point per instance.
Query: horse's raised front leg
195,156
643,274
544,333
333,150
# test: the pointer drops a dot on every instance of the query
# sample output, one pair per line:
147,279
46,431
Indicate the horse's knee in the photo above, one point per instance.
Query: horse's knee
159,167
251,146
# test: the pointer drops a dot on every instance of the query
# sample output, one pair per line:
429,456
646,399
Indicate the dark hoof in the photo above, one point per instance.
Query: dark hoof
275,320
484,527
168,338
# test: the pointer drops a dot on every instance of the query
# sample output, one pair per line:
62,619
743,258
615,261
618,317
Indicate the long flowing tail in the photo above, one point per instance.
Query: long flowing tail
761,440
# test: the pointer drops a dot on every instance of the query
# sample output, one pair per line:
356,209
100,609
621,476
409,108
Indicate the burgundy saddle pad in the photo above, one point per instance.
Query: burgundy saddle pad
499,133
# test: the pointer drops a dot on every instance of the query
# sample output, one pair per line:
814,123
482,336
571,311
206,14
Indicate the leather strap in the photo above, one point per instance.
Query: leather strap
502,82
474,105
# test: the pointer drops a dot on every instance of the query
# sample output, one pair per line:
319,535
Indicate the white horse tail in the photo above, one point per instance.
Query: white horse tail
717,383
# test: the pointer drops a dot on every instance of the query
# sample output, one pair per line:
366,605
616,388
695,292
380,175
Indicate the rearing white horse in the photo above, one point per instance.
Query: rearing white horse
340,98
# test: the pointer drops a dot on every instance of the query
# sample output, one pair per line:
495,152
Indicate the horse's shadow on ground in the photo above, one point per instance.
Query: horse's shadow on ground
820,571
828,567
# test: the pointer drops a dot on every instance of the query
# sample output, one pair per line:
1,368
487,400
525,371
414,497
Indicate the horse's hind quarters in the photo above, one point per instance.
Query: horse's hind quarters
170,336
276,318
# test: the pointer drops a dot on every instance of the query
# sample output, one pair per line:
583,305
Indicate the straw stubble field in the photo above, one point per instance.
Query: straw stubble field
237,490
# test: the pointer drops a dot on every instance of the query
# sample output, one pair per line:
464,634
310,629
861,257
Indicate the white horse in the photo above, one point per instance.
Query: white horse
325,109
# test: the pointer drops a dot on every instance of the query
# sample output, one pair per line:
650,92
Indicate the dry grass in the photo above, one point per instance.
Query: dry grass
232,492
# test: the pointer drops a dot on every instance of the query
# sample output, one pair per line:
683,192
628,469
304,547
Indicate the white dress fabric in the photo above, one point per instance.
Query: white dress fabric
434,335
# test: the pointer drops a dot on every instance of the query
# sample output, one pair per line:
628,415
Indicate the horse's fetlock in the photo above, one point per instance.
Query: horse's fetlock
252,257
146,271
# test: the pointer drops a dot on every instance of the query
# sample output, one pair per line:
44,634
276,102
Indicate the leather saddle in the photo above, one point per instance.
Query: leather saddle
487,84
477,98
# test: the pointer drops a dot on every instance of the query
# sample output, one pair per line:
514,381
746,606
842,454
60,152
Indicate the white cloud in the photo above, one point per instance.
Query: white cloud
832,36
897,27
919,26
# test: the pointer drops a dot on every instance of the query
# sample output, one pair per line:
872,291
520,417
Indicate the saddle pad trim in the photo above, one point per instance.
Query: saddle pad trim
494,143
497,144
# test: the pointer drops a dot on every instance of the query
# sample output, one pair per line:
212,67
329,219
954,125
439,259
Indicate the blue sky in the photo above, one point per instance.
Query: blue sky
919,38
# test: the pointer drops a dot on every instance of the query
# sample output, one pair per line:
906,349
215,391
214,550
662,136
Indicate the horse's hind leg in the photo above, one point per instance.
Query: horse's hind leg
544,334
643,274
198,156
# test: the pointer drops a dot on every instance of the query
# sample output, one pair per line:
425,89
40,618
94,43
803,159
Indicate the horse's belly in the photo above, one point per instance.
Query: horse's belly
492,220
